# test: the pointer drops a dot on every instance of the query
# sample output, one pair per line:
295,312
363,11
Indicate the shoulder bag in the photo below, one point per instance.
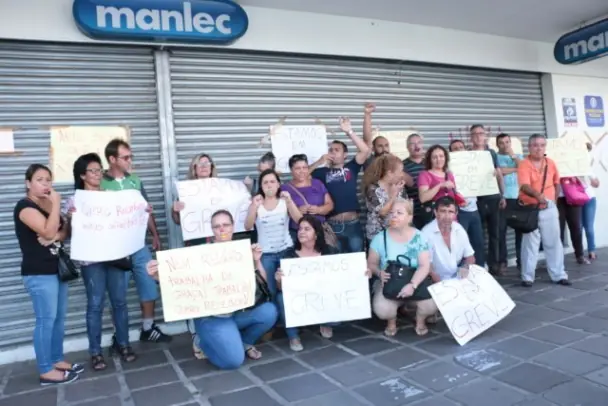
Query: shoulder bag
401,275
330,236
524,217
574,191
262,293
67,270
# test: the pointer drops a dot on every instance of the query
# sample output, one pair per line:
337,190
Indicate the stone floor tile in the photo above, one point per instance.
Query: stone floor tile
403,359
408,336
332,399
46,397
249,397
18,383
600,376
441,376
370,345
522,347
436,401
149,359
518,324
280,369
572,306
325,357
165,395
532,378
578,392
483,392
586,323
572,361
594,345
599,313
222,383
535,402
441,346
347,332
546,314
485,361
303,387
556,335
91,389
356,373
151,376
268,353
197,367
111,401
392,392
309,340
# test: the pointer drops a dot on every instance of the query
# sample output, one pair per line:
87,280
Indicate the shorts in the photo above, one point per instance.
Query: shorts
147,288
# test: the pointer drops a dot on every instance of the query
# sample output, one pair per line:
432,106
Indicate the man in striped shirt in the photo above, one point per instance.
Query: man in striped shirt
413,165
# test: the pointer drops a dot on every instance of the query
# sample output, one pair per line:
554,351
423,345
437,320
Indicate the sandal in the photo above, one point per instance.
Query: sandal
326,332
126,353
582,261
390,331
295,345
253,353
98,363
592,256
421,331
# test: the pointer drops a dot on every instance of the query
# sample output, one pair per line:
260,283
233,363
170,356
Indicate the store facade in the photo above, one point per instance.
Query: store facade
191,95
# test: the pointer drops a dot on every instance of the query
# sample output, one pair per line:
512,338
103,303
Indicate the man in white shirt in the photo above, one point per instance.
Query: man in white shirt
451,250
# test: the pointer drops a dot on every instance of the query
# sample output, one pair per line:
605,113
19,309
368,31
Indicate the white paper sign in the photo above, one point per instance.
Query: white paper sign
108,225
473,305
290,140
203,197
324,289
7,142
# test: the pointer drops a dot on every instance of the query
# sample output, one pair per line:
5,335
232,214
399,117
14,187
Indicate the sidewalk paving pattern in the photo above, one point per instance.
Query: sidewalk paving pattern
551,350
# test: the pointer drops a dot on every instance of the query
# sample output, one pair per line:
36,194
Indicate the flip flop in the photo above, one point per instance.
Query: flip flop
421,331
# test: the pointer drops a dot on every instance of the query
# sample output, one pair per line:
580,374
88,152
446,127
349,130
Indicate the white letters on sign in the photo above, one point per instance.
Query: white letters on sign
324,289
290,140
203,197
473,305
108,225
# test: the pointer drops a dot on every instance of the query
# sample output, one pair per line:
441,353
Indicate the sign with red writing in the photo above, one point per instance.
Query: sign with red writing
206,280
471,306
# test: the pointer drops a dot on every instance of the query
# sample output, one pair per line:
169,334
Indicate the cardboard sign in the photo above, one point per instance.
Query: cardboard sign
473,305
474,173
108,226
7,141
289,140
203,197
570,155
206,280
397,141
324,289
68,143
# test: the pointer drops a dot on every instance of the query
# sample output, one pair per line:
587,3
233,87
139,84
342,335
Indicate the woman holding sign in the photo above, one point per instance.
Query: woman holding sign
401,246
226,339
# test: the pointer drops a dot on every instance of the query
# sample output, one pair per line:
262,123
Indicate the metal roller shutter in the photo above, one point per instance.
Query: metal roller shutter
43,85
224,101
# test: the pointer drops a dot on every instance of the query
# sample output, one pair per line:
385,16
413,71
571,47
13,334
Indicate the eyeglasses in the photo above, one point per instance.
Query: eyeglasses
126,157
95,171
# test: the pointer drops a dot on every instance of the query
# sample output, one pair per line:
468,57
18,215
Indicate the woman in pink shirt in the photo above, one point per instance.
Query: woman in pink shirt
436,181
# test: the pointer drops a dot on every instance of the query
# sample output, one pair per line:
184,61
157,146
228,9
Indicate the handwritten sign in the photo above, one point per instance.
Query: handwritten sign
203,197
7,142
473,305
474,173
516,145
570,155
68,143
108,226
206,280
288,140
397,141
324,289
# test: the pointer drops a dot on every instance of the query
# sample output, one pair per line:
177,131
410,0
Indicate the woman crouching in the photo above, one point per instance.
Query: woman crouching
226,339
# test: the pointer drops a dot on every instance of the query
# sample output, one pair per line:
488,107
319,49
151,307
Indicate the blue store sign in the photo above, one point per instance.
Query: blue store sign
204,21
583,45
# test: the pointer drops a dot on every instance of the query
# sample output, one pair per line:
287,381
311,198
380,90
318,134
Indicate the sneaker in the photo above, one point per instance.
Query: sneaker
526,284
68,376
564,282
76,368
154,335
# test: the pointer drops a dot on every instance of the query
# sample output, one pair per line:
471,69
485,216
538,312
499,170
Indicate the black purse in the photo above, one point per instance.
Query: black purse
67,269
262,293
401,275
123,264
524,217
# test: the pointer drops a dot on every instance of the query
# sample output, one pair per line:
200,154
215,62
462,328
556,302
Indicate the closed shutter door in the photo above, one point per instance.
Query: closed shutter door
45,85
224,101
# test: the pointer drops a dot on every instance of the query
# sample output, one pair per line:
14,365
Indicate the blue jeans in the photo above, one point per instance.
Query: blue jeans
588,220
97,279
147,288
471,222
271,262
50,300
224,340
292,332
350,235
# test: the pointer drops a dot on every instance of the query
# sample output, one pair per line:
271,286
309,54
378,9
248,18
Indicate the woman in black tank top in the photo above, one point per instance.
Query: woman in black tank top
38,226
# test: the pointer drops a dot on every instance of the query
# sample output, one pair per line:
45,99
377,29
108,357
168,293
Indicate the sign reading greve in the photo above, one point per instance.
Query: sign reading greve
324,289
206,21
108,226
471,306
583,45
203,197
206,280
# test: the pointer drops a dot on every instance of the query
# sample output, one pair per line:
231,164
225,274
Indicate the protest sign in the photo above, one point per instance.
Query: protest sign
206,280
516,145
570,154
289,140
107,225
203,197
323,289
471,306
68,143
397,141
474,173
7,141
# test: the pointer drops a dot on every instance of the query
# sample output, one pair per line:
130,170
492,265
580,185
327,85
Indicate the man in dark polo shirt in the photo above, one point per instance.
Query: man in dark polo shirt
413,165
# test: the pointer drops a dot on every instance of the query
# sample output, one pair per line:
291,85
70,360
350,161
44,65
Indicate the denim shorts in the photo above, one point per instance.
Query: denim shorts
147,288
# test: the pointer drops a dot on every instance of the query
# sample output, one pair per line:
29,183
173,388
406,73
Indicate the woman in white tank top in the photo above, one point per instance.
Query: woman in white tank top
270,211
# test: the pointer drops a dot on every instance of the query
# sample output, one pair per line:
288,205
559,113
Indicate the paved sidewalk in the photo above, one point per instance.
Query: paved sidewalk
552,350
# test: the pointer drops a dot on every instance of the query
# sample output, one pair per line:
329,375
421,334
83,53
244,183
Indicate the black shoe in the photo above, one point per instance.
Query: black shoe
154,335
68,376
564,282
76,368
526,284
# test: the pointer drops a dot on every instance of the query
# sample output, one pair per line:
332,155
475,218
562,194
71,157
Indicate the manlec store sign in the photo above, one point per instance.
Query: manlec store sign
205,21
582,45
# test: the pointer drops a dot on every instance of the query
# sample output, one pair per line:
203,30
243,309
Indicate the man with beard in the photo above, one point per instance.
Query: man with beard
412,166
379,145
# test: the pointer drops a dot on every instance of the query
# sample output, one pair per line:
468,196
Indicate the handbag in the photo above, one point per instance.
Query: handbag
401,275
67,269
123,264
262,293
428,208
330,236
574,191
524,217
